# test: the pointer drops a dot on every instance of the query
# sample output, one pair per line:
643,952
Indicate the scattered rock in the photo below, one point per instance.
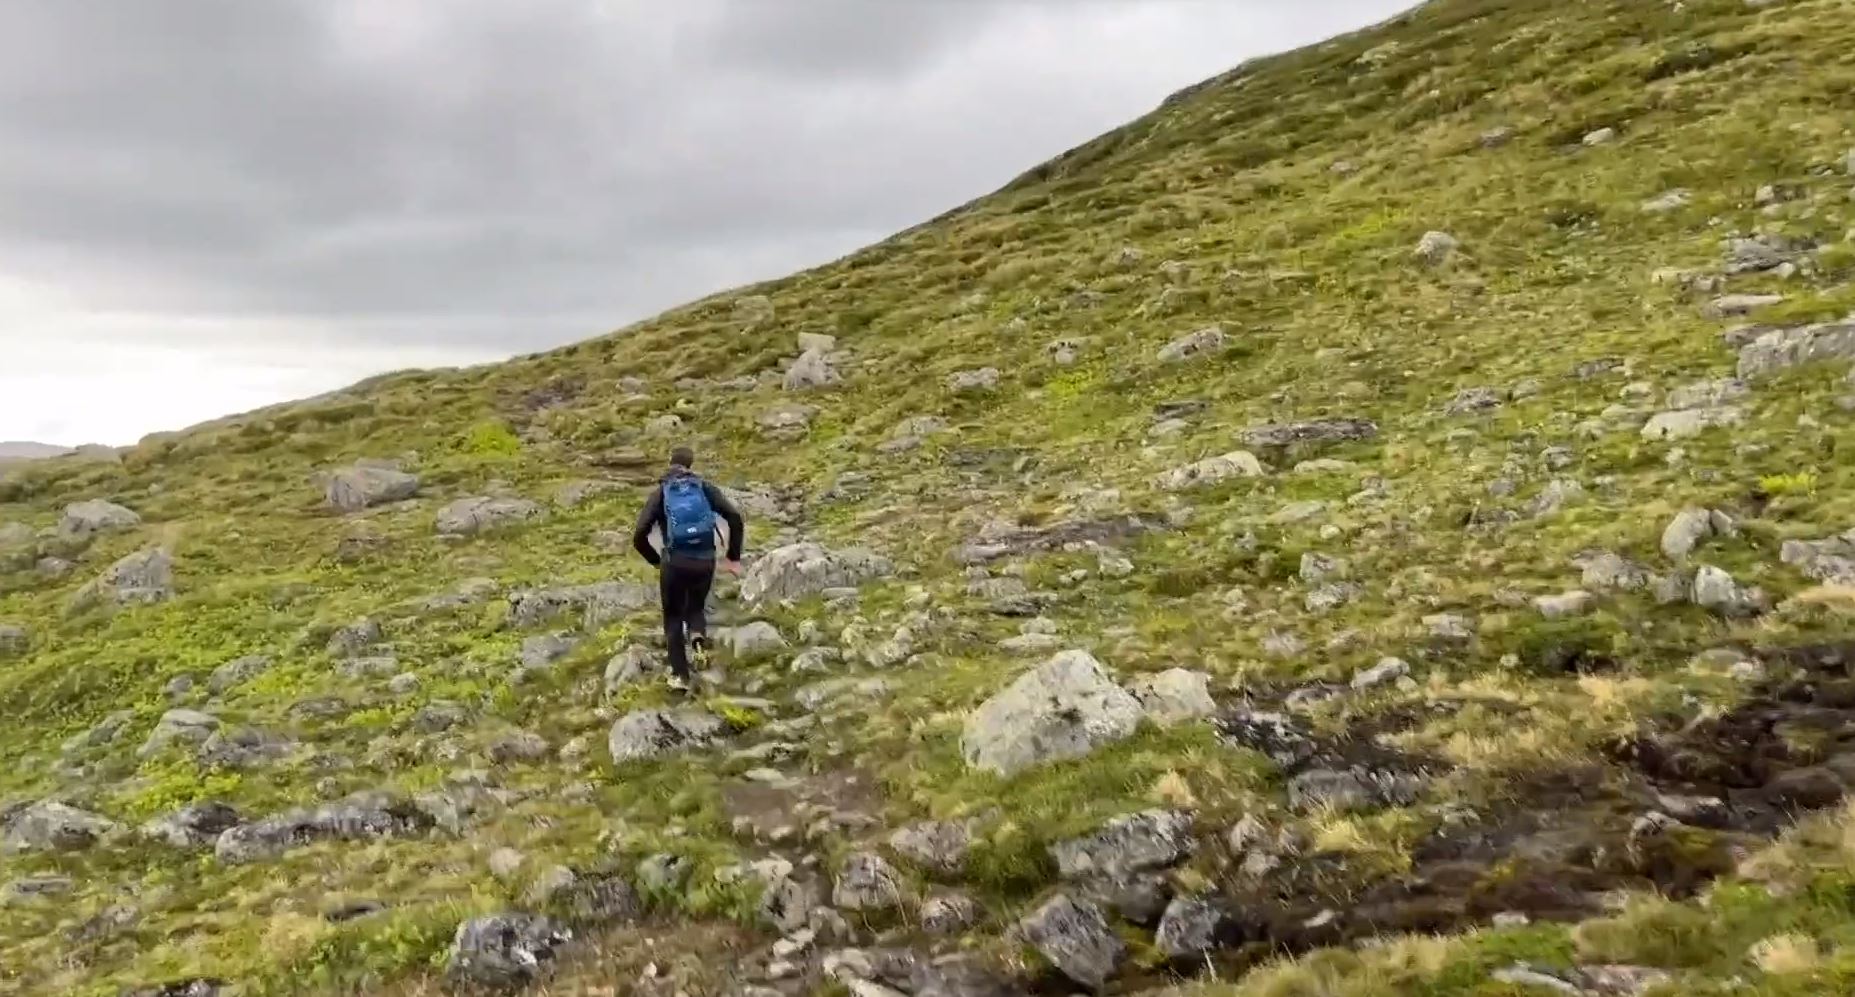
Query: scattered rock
974,382
1204,341
1831,560
1192,927
1686,423
867,883
947,913
1318,431
786,421
1670,201
1062,709
50,826
360,817
1731,305
1436,247
517,746
197,825
937,846
811,370
363,486
1386,671
653,733
88,518
1173,696
15,641
237,672
182,726
1602,136
1210,471
630,666
1470,400
1075,938
144,577
756,641
470,516
1566,604
798,570
504,951
1777,349
1691,526
1716,590
350,640
1126,846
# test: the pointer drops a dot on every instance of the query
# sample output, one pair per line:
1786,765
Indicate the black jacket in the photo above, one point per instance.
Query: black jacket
652,518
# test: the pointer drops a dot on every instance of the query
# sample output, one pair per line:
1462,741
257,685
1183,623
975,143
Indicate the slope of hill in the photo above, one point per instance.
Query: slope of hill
1375,525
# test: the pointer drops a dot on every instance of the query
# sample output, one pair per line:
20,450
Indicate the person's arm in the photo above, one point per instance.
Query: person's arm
647,521
737,526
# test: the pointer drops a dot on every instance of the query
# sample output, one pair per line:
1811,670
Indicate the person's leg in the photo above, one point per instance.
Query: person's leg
671,589
695,612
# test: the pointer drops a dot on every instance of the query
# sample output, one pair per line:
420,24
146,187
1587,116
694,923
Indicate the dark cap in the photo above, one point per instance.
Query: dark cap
682,457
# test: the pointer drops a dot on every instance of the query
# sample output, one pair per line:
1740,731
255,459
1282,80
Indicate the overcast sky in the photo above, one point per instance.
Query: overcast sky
211,205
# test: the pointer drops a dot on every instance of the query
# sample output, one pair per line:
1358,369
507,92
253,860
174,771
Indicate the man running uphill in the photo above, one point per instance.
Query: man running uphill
685,507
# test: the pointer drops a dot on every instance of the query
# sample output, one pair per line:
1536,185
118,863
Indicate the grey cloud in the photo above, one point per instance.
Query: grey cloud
514,175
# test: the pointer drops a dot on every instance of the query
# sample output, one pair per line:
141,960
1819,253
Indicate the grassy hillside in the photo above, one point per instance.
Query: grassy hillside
1609,778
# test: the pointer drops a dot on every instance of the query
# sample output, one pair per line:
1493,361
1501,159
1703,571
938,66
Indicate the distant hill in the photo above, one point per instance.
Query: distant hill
20,449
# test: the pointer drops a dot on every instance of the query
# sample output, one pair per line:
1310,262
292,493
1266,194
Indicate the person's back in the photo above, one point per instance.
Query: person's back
685,509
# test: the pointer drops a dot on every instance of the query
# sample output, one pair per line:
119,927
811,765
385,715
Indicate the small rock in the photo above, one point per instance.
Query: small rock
504,951
1602,136
1387,670
867,883
937,846
1436,247
948,913
1203,341
974,382
1174,696
1567,604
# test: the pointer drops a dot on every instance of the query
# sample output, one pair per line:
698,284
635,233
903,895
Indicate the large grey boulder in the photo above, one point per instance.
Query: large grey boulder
355,488
50,826
1204,341
1781,348
1174,696
504,951
654,733
144,577
1210,471
470,516
1075,938
1063,708
802,569
867,883
197,825
83,519
179,726
812,370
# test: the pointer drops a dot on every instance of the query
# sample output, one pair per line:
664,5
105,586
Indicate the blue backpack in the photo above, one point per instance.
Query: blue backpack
689,520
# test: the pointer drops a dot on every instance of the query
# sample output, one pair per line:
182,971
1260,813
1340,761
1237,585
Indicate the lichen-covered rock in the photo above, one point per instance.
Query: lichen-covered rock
504,951
1690,527
1174,696
143,577
947,913
1210,471
360,817
1829,560
653,733
598,604
756,641
88,518
196,825
798,570
867,883
1141,842
1193,344
1289,434
1435,247
1064,708
183,726
51,826
1075,938
938,846
630,666
362,486
1191,927
1777,349
973,382
237,672
470,516
354,638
